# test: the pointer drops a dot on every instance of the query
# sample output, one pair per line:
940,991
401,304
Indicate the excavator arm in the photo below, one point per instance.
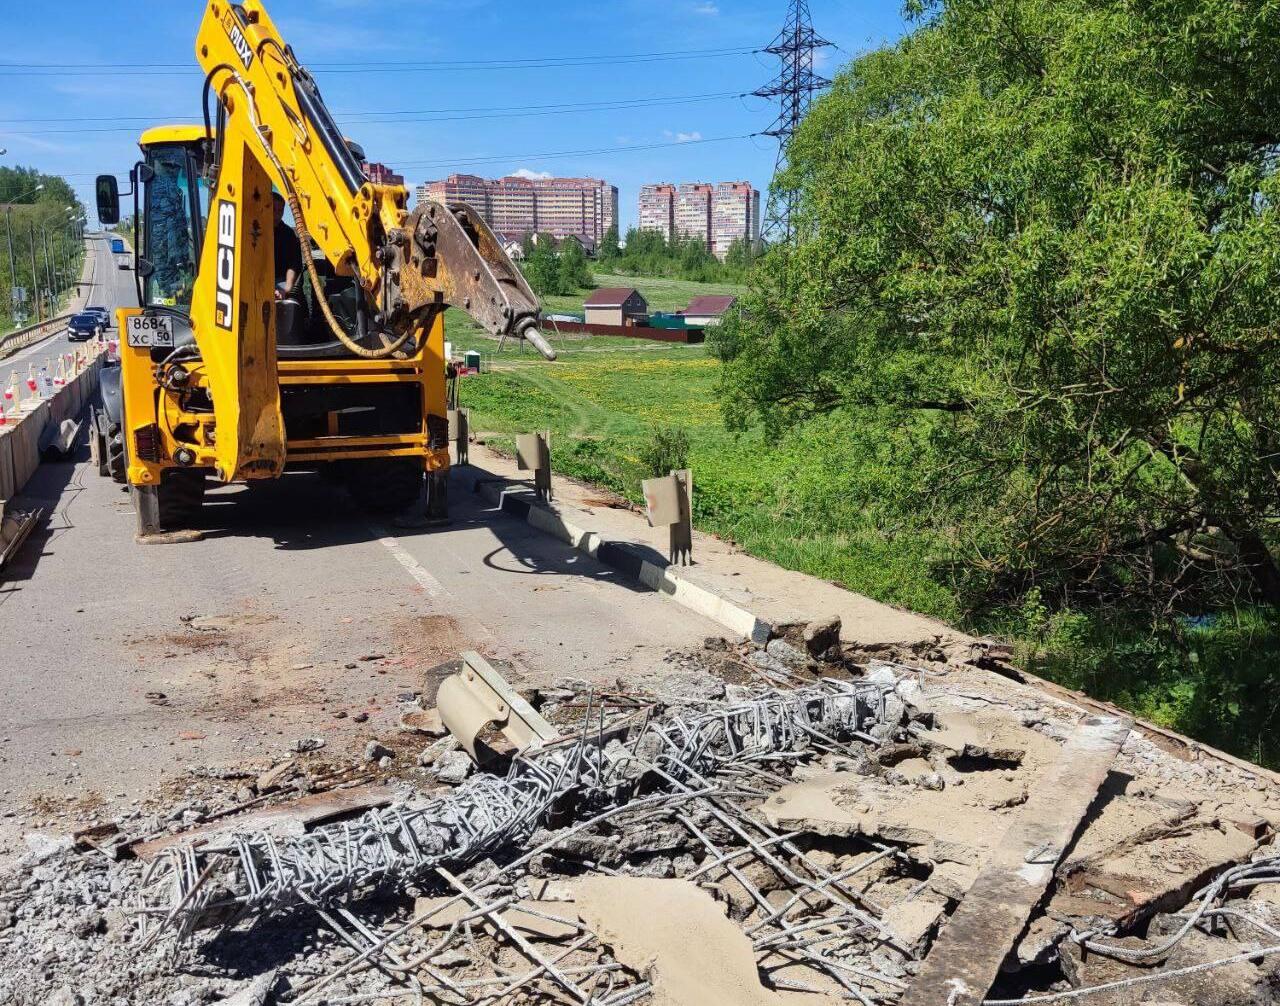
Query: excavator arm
273,129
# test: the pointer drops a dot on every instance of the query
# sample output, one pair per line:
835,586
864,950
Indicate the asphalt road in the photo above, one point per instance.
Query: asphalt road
108,286
122,666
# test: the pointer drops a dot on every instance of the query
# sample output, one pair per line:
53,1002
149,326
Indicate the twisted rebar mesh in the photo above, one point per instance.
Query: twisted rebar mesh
258,873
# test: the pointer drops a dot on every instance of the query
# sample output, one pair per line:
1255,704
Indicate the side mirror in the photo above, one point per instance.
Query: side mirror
108,200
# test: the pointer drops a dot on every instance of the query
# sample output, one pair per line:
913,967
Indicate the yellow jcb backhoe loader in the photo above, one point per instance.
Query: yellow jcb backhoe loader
220,378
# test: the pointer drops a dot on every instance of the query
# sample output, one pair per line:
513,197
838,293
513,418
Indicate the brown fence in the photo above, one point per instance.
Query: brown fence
21,337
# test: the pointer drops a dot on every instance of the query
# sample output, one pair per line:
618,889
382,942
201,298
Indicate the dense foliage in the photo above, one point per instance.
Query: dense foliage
648,253
1038,265
555,269
46,256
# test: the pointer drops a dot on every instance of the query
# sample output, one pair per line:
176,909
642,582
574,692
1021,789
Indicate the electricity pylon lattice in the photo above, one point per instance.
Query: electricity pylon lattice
794,87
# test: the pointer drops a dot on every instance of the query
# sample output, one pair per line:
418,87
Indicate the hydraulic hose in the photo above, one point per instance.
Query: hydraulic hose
304,238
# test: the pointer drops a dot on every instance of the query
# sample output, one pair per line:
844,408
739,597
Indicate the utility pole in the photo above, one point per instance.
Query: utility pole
48,272
13,268
795,87
35,276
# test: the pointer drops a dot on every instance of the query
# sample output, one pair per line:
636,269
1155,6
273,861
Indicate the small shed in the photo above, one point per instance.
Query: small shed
706,311
616,306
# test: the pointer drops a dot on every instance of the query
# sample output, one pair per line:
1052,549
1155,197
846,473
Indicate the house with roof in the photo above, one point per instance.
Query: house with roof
616,306
704,312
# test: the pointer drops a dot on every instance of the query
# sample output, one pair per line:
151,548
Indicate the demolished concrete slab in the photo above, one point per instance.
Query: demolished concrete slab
964,963
678,938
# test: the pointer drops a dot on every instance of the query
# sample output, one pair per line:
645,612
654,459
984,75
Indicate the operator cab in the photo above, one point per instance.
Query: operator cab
171,196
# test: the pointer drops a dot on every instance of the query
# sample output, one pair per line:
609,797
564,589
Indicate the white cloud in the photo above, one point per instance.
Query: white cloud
691,137
709,9
532,175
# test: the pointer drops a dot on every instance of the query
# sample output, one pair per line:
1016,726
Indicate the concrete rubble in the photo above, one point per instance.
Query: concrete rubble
778,824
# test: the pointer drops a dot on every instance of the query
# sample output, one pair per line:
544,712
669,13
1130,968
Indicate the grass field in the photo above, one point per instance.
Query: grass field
605,399
662,295
788,500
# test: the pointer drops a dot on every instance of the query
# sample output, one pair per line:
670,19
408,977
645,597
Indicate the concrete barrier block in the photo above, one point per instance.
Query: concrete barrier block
8,484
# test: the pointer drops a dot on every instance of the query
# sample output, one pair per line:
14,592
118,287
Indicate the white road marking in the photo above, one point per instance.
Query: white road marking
426,581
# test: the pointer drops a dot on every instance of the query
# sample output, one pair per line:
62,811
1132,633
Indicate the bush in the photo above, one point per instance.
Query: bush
667,450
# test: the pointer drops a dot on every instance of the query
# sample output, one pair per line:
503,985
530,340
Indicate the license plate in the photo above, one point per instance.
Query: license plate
150,332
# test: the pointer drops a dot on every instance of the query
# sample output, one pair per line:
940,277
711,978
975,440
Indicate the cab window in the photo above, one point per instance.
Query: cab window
170,232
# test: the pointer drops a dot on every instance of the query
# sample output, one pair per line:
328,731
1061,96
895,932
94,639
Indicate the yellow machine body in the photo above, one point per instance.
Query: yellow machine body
208,385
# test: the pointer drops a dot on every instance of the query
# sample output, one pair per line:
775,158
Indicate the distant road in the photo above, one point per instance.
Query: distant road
109,287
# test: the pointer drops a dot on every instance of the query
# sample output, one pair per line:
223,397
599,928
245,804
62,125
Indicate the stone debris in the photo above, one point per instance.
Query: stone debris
423,721
253,994
822,636
683,893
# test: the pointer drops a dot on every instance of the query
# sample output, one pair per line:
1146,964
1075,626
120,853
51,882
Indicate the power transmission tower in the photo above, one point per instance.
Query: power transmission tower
795,86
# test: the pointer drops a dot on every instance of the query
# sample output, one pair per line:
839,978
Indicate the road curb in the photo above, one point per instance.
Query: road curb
517,501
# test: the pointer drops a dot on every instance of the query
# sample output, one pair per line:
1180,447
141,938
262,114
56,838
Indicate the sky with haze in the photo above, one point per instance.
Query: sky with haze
70,105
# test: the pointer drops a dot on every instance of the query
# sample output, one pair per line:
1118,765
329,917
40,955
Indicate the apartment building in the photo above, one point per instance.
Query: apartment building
658,209
380,174
717,214
583,208
693,211
735,216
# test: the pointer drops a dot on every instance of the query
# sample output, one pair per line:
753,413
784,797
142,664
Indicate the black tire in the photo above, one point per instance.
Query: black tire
181,497
117,463
383,485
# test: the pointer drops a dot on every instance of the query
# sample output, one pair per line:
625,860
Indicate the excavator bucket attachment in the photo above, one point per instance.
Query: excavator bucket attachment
455,259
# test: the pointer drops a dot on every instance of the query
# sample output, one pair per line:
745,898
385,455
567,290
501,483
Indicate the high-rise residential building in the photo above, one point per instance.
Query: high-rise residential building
717,214
735,216
693,211
584,208
658,209
380,174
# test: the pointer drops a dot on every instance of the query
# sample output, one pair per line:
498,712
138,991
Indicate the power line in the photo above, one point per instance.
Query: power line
546,155
380,66
421,115
633,148
350,113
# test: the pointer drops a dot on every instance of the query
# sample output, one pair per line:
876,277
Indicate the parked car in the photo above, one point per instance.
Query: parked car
83,327
101,312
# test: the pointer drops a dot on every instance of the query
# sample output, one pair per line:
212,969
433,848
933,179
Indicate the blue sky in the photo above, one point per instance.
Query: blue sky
444,134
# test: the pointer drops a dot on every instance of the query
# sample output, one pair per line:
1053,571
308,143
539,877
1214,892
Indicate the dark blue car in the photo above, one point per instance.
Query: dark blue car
83,327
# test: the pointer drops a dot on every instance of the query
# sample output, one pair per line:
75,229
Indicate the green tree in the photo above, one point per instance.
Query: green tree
47,256
1039,253
574,273
541,266
610,249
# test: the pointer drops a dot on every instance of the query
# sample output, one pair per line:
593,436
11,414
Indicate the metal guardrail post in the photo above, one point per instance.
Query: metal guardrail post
669,502
533,454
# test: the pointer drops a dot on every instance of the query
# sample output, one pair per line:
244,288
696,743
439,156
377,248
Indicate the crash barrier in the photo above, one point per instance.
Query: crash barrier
21,337
56,392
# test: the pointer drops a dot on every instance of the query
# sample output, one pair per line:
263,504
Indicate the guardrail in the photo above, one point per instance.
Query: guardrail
21,337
